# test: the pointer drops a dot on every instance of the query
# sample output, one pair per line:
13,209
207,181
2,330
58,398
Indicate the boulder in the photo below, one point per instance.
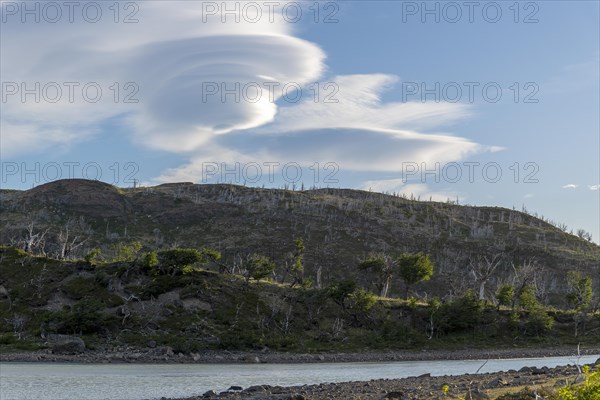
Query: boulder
256,388
496,383
65,344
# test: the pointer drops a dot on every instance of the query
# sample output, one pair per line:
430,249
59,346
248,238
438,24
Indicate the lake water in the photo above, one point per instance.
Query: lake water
58,381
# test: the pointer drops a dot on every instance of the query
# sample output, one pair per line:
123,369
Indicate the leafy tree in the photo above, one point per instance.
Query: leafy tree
128,252
150,260
528,299
414,268
579,296
341,291
361,301
175,260
259,267
92,256
383,265
538,321
182,260
580,292
210,254
463,313
505,295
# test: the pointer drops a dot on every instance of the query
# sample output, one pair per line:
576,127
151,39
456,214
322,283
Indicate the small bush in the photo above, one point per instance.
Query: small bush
175,260
7,338
589,390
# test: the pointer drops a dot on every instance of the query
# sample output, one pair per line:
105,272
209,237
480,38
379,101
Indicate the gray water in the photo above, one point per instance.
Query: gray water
57,381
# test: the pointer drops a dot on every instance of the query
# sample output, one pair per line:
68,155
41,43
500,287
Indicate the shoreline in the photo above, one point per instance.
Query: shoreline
467,386
165,355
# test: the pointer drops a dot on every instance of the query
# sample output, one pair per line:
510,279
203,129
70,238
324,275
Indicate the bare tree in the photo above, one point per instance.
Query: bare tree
527,273
68,242
382,264
482,269
18,324
34,241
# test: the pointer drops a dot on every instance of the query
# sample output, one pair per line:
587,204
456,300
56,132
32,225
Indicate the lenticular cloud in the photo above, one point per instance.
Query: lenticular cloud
174,58
209,88
214,85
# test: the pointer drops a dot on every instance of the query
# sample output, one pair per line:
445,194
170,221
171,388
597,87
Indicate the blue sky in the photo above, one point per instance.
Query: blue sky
374,59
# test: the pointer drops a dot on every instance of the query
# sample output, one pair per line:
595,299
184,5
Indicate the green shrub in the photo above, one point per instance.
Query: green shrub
463,313
589,390
339,292
538,322
85,316
92,257
259,267
7,338
128,252
361,301
80,287
175,260
505,295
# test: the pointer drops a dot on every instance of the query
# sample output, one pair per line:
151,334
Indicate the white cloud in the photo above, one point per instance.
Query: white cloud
416,190
570,186
354,101
594,187
169,54
360,133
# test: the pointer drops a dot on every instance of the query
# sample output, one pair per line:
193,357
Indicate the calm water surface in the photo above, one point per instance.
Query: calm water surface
58,381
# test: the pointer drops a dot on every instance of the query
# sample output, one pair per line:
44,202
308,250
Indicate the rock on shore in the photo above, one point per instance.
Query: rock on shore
481,386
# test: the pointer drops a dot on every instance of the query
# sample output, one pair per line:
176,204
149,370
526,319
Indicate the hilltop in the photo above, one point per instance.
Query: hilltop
338,226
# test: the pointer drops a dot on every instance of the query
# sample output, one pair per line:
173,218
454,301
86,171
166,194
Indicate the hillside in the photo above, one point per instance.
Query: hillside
338,227
124,310
121,300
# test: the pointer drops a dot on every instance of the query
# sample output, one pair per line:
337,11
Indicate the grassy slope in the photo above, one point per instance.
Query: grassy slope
117,303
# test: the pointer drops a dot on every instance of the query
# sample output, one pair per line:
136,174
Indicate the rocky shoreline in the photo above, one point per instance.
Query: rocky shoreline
470,386
167,355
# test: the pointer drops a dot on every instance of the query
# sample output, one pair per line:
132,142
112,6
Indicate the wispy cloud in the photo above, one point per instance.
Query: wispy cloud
570,186
594,187
358,133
